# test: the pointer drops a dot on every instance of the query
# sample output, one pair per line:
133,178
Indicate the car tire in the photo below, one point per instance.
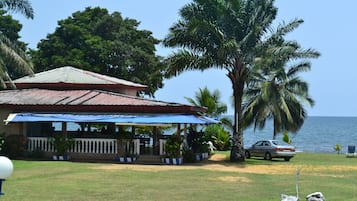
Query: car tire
267,156
287,158
247,154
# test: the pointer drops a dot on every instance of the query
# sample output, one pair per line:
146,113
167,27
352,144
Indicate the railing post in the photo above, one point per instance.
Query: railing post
162,146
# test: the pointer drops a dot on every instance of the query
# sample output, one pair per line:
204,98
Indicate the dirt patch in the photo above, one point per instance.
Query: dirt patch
217,157
231,179
218,162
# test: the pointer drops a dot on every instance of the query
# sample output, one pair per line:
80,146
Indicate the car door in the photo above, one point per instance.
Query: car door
257,149
265,148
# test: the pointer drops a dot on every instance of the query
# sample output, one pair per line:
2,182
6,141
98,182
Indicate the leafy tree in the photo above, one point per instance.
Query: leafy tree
105,43
13,60
274,90
222,34
209,100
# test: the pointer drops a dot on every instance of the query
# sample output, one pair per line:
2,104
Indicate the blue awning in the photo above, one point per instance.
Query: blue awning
140,119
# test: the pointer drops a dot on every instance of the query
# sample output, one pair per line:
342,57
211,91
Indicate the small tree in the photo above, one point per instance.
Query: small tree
337,148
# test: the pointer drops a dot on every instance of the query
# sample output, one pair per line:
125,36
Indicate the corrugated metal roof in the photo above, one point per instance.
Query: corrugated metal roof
72,97
73,75
86,100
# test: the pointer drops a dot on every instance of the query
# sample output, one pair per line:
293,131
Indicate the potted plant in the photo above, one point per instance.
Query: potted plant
126,147
61,145
198,145
173,150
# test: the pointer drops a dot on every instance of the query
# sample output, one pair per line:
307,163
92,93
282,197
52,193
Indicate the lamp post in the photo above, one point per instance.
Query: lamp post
6,169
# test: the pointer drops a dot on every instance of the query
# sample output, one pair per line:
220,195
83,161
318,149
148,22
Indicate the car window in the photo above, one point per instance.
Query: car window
266,143
258,143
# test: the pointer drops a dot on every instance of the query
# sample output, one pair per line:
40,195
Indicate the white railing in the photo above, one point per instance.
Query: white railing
39,144
82,145
95,146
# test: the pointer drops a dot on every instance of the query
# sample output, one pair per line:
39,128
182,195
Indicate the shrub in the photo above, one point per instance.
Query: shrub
337,148
195,140
188,156
286,138
13,145
2,142
220,138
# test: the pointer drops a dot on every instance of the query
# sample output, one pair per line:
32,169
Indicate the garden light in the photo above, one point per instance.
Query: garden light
6,169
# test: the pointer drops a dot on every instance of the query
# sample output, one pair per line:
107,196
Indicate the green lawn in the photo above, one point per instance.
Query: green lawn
334,175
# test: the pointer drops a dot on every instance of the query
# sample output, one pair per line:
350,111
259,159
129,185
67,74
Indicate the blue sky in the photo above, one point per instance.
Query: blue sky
329,27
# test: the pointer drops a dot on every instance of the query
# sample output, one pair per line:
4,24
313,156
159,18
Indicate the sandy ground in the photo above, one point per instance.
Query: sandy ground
217,163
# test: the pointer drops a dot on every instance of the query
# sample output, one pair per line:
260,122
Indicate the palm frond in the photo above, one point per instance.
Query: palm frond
22,6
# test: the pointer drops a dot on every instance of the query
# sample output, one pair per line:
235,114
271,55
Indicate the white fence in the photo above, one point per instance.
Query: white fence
82,145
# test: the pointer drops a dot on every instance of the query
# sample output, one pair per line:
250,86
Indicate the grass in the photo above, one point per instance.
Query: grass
334,175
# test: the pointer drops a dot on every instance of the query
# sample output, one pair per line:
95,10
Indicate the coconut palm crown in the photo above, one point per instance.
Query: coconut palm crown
209,100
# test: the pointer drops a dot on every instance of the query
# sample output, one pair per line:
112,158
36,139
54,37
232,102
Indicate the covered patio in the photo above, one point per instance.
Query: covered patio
101,136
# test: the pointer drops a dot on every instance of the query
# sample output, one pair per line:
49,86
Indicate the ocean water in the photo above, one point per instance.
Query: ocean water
318,134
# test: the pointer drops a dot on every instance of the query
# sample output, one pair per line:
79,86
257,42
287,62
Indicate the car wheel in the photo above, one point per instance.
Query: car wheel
247,154
287,158
267,156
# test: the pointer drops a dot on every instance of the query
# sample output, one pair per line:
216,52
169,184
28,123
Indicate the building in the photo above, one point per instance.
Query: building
93,109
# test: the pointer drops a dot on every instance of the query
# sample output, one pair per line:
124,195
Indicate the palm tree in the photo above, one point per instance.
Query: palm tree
22,6
11,56
280,96
211,101
221,34
277,93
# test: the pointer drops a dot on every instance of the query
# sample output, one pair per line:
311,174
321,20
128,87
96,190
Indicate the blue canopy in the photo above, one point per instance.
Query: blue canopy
140,119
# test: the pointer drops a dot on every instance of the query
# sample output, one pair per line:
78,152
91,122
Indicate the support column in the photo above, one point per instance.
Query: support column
185,136
64,130
178,129
156,143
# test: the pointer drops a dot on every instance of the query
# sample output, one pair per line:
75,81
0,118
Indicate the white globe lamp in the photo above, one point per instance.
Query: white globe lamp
6,169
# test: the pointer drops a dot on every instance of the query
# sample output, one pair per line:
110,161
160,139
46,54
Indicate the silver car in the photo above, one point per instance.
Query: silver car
271,149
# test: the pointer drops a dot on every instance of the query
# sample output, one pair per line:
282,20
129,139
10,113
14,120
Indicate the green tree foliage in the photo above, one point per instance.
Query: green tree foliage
173,146
105,43
221,34
215,108
13,60
22,6
274,89
10,28
229,35
209,100
219,136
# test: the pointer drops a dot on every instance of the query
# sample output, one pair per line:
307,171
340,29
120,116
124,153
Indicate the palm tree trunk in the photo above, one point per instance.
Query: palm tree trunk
237,78
275,129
